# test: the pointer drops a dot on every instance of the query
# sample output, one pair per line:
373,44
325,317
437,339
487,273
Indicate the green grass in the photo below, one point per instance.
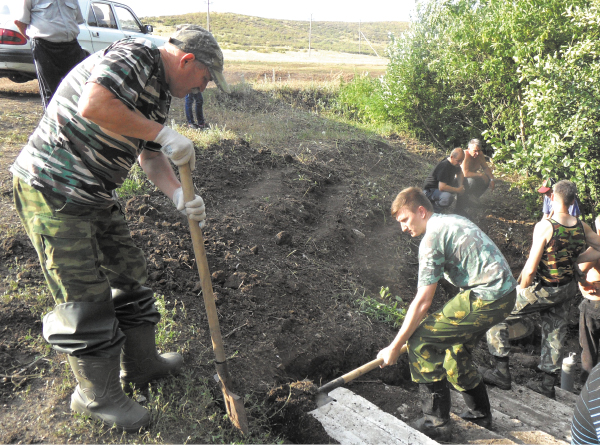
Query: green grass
386,308
235,31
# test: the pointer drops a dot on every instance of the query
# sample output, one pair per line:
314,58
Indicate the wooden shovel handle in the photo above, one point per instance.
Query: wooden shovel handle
185,176
354,374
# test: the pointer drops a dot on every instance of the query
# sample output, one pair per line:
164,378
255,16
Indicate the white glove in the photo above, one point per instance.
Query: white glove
178,148
193,209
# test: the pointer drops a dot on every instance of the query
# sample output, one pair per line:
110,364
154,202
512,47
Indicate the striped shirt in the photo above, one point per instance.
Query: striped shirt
585,427
77,161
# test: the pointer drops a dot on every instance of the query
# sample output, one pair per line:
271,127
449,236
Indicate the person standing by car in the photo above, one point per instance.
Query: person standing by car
109,112
52,27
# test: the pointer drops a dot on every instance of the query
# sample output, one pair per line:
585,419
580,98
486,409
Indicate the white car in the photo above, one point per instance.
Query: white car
106,22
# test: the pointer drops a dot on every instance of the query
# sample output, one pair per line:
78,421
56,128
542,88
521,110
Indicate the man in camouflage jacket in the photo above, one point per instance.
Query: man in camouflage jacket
109,112
440,345
546,285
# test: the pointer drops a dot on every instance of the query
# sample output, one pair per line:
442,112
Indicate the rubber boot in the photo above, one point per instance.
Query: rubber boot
100,396
435,400
498,376
545,387
141,362
478,404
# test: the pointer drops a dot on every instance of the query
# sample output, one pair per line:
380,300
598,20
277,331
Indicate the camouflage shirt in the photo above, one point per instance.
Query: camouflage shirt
73,159
457,249
556,265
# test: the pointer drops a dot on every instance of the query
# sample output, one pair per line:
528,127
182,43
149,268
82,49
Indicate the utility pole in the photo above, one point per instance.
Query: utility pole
309,34
208,15
359,35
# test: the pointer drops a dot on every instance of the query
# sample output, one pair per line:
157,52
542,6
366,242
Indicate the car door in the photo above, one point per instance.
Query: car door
103,25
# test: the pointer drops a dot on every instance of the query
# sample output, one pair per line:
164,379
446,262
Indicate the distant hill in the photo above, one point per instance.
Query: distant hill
235,31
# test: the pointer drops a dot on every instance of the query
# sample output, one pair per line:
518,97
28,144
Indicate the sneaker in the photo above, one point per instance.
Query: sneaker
192,126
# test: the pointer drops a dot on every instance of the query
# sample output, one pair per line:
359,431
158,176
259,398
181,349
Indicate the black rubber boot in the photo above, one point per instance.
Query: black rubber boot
545,387
478,402
498,376
435,400
141,362
100,396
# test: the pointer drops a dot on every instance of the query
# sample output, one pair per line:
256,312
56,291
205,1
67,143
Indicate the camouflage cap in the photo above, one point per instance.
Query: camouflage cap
198,41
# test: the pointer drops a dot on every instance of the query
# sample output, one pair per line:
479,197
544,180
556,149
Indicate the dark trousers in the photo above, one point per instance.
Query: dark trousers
589,333
190,99
473,187
53,61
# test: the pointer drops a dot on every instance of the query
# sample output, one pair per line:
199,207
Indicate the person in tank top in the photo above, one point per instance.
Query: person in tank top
547,285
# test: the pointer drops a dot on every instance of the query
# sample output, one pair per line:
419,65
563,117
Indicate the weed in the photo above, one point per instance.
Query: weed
392,310
137,183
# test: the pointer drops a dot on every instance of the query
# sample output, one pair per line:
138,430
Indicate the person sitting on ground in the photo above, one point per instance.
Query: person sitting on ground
478,175
445,181
546,190
589,314
195,100
440,345
546,285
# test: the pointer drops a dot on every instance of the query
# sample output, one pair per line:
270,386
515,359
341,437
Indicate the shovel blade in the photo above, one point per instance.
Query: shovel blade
234,405
323,399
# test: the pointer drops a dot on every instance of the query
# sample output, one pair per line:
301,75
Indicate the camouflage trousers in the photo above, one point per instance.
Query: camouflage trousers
93,269
553,305
442,344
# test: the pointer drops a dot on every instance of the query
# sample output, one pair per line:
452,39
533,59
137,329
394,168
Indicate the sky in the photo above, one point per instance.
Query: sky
321,10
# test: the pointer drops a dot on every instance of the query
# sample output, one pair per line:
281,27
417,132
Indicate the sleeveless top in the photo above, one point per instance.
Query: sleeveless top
565,245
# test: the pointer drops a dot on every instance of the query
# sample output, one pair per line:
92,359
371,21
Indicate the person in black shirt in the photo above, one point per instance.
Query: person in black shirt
445,181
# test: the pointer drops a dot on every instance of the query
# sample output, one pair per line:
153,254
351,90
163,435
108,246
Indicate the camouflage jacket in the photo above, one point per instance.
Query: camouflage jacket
71,158
457,249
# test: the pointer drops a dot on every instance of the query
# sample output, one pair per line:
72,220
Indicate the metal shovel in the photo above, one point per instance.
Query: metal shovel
233,403
323,392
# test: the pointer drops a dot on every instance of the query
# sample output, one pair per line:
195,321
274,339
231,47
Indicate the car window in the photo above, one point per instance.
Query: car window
127,20
101,15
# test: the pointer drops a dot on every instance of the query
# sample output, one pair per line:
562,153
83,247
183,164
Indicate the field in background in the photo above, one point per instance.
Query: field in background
235,31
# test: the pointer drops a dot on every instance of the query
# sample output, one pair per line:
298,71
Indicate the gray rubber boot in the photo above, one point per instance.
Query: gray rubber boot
141,362
478,404
435,401
498,376
546,386
100,396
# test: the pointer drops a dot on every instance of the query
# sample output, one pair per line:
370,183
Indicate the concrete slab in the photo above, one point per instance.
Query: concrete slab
351,419
566,397
533,409
513,429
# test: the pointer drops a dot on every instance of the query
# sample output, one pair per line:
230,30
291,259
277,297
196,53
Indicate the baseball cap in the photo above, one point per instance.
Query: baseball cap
198,41
547,185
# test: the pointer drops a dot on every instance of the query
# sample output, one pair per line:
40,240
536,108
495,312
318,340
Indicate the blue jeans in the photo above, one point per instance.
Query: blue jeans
190,99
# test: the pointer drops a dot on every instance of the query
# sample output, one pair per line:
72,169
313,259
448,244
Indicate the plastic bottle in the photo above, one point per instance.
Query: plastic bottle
567,377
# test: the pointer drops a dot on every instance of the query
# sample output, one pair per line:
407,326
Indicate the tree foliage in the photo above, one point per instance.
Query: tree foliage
523,75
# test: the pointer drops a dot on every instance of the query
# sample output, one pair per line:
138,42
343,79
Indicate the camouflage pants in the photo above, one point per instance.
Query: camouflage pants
441,346
553,305
93,269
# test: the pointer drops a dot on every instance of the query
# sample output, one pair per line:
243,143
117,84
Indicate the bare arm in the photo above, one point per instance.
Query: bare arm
102,107
158,168
443,187
22,28
416,312
541,235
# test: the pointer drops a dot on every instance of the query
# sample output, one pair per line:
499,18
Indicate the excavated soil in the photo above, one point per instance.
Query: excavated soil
289,258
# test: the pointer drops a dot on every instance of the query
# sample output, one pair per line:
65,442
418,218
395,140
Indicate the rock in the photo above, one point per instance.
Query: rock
255,250
283,238
358,233
197,287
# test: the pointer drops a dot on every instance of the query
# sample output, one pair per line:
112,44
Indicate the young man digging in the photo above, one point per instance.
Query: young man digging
440,345
547,284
